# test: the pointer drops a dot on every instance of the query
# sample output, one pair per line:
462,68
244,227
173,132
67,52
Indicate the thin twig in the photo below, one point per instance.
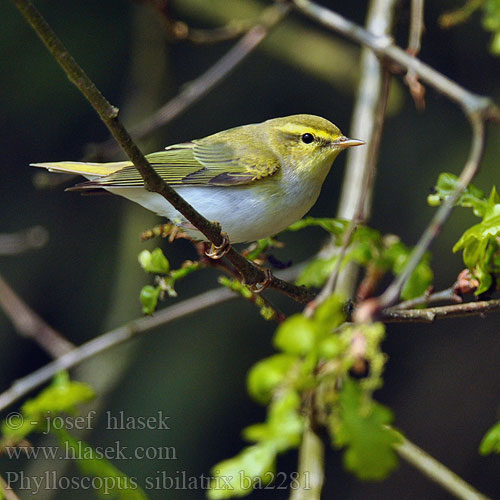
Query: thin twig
251,273
22,241
196,89
437,471
29,324
447,295
414,43
432,314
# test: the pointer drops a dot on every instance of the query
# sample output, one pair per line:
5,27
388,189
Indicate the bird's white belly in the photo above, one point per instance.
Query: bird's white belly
245,214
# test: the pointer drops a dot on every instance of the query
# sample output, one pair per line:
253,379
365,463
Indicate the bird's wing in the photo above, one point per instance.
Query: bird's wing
195,164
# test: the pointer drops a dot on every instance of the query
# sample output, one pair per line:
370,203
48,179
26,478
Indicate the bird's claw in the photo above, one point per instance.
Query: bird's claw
262,285
216,252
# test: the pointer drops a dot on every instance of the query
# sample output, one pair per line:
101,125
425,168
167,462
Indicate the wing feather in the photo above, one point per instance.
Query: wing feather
197,163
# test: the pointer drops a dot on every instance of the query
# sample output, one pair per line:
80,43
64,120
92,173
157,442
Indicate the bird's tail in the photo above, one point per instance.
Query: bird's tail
89,170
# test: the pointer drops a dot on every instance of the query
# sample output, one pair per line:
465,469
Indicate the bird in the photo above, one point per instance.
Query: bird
254,180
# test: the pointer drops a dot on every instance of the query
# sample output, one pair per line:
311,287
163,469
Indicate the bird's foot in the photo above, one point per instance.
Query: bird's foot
262,285
216,252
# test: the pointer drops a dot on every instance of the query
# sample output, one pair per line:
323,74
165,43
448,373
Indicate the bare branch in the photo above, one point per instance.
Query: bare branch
447,295
414,42
431,314
179,30
367,124
29,324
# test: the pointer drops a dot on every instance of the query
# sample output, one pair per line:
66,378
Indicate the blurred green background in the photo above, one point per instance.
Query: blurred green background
441,380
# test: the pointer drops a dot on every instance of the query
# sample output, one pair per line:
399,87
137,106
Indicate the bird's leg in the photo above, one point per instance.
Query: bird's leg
216,252
262,285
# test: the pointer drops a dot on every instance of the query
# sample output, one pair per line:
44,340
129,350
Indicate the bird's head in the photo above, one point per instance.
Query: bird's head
307,144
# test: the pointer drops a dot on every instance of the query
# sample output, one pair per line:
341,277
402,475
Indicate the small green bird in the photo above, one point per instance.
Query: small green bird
255,180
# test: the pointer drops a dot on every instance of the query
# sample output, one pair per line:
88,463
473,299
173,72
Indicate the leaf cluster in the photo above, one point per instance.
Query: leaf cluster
376,253
480,243
156,262
316,356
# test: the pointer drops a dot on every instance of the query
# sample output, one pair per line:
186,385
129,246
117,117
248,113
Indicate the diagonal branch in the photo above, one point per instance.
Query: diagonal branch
251,273
430,314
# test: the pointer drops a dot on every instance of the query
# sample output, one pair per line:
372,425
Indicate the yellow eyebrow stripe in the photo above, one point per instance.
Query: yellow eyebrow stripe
298,130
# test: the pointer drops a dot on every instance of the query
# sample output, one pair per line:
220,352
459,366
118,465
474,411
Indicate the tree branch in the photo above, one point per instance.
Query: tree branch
431,314
449,294
414,41
251,273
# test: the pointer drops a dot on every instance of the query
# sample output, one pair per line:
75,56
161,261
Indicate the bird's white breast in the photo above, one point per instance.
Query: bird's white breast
246,213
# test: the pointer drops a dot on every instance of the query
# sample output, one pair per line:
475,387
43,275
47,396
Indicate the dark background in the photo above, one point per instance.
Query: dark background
441,380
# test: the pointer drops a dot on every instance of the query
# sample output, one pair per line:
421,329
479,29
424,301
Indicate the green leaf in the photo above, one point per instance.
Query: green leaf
419,281
331,313
63,395
333,226
316,272
491,22
481,232
265,376
154,262
112,482
297,335
331,347
471,197
362,428
237,476
491,441
149,298
284,425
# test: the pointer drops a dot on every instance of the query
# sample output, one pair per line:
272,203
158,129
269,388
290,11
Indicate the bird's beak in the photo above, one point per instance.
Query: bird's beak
345,142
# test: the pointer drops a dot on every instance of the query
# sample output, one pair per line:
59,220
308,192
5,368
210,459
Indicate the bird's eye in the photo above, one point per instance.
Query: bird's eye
307,138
